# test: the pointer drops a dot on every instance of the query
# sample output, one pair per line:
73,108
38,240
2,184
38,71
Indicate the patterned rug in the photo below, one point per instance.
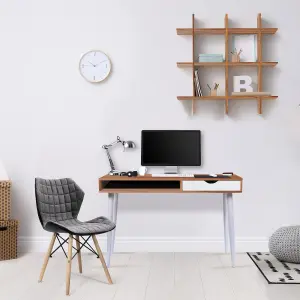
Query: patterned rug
275,271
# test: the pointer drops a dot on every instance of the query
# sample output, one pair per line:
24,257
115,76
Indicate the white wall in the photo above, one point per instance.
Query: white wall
53,123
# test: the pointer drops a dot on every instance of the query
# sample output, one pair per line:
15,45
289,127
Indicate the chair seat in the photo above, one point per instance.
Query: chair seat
76,227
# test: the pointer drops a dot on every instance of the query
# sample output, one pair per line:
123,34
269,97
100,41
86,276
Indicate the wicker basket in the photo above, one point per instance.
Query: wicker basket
5,200
8,239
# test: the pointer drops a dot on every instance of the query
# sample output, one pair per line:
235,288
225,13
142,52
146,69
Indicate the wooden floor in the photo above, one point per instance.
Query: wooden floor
139,276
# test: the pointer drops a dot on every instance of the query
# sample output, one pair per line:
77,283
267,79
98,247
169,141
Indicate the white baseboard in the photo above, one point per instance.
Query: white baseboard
156,244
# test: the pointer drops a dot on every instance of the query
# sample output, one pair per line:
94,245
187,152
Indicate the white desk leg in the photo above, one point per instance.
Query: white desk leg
225,220
109,234
115,213
231,227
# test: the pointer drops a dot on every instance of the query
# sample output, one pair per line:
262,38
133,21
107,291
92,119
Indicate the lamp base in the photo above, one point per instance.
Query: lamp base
114,172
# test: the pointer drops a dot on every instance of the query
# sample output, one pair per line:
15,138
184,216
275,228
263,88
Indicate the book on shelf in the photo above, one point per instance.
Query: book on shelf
197,84
251,94
210,60
196,90
210,57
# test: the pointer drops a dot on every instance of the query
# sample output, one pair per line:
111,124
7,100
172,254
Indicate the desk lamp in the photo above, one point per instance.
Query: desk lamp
126,145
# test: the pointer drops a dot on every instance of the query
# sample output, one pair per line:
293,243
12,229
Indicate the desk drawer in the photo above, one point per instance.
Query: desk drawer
221,185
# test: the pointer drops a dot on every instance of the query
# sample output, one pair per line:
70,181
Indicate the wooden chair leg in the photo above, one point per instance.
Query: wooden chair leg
47,257
79,253
69,264
102,259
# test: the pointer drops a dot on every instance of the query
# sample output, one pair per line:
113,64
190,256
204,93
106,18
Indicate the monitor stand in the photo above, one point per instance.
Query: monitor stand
171,170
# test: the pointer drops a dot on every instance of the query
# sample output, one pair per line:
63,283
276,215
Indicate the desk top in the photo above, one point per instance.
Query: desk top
147,177
149,184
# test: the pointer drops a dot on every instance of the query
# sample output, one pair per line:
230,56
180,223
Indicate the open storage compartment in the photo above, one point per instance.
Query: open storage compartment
141,184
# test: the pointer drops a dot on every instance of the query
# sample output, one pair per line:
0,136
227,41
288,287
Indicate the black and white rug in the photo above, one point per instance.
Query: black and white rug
275,271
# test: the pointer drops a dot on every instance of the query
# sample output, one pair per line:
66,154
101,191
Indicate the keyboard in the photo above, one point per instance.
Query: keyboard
211,176
172,175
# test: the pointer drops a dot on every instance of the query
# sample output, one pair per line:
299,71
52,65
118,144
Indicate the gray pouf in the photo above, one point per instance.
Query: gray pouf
284,244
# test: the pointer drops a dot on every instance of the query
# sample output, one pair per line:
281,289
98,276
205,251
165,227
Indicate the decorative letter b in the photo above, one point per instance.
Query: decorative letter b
242,84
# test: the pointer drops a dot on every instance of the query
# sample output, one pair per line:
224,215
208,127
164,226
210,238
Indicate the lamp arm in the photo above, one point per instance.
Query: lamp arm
106,147
112,166
118,140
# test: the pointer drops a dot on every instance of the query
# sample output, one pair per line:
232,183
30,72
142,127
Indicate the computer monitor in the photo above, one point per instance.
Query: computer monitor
171,148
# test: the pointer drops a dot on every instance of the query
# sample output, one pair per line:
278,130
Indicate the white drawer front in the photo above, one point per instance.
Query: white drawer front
217,186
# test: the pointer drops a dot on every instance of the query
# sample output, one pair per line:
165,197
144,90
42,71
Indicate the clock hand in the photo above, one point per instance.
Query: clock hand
92,64
101,62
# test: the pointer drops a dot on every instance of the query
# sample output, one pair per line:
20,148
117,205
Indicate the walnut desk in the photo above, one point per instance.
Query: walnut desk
115,185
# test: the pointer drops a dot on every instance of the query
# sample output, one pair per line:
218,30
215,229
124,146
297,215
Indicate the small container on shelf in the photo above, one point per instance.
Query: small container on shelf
235,58
214,91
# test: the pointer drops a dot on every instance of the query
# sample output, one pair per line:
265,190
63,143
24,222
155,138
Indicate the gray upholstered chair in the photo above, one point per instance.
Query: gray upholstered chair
58,203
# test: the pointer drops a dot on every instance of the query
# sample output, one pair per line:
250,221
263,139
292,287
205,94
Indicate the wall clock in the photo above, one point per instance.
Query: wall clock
94,66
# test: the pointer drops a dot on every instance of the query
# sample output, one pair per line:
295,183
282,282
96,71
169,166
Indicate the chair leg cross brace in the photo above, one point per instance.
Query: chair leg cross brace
84,245
66,241
60,245
91,248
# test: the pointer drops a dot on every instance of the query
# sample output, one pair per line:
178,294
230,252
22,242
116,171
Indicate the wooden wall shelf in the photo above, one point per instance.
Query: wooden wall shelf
226,31
225,97
212,31
223,64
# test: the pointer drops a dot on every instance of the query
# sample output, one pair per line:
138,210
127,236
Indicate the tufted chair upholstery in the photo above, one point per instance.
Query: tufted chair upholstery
58,203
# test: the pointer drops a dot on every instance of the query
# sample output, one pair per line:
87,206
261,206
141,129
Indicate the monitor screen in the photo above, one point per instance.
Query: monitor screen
171,148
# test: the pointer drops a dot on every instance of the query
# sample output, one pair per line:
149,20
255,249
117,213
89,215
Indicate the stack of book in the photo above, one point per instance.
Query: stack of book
198,91
210,58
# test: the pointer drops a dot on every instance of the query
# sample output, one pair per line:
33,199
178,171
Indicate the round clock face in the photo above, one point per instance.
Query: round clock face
94,66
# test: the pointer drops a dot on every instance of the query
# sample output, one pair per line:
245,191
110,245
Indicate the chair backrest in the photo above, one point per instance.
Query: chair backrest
57,199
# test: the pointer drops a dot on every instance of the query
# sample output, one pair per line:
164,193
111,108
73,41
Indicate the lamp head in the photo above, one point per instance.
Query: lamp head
128,144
